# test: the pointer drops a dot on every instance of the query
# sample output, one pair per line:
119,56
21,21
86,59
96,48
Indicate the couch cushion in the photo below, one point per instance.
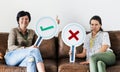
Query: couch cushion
73,68
114,39
3,46
115,68
3,42
115,42
50,65
64,49
48,49
5,68
65,66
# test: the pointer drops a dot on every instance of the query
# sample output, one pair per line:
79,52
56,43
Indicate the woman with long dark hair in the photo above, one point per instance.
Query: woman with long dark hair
96,47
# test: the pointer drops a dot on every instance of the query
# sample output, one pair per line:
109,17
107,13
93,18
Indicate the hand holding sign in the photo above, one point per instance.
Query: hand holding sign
46,28
58,20
73,35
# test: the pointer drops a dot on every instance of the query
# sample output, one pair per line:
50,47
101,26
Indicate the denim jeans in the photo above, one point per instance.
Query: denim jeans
27,57
99,61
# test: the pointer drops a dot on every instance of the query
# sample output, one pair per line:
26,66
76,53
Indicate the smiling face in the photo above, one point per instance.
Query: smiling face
95,25
23,21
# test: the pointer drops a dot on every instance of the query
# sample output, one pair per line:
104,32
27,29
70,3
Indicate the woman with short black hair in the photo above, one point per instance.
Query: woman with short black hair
21,51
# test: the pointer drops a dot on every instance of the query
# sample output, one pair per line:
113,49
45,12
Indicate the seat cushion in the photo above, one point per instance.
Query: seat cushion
115,68
65,66
50,65
5,68
72,67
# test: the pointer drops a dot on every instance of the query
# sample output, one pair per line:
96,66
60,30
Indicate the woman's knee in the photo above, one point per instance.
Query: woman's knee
93,58
31,59
35,50
31,64
101,66
101,63
11,62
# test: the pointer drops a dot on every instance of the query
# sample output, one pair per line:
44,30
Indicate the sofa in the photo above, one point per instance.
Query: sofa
56,58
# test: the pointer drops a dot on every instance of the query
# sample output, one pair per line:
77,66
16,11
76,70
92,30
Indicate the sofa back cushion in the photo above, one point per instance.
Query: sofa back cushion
63,50
114,39
47,47
3,42
115,42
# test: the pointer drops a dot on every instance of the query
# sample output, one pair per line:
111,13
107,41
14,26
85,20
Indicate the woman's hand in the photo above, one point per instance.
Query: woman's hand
1,55
70,52
58,20
84,63
33,46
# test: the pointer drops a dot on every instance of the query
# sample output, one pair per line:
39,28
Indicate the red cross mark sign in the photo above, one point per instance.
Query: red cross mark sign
73,35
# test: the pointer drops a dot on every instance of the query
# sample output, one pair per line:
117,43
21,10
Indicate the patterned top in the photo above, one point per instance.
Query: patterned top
92,47
17,40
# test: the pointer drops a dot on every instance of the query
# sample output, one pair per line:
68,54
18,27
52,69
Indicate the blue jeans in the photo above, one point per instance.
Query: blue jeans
27,57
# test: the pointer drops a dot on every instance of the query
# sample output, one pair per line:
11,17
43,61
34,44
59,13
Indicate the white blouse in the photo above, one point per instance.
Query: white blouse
102,38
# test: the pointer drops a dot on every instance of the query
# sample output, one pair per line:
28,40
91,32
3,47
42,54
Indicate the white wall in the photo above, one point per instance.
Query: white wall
79,11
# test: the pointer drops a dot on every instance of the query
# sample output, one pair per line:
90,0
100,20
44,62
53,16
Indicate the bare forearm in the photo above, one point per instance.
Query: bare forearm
81,55
103,48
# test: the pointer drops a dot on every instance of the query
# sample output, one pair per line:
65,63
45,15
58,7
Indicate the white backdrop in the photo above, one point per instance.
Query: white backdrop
79,11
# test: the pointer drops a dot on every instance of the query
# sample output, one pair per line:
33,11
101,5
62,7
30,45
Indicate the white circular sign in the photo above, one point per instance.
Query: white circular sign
46,27
73,34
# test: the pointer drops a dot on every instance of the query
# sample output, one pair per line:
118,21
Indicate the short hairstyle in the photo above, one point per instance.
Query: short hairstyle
23,13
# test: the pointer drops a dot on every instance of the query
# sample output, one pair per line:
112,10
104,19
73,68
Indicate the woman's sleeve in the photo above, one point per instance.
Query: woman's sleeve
34,38
106,39
85,45
11,41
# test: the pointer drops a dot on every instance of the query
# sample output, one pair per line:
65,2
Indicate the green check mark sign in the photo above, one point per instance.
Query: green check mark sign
46,28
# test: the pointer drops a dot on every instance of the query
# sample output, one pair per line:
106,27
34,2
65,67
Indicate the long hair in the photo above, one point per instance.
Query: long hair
98,19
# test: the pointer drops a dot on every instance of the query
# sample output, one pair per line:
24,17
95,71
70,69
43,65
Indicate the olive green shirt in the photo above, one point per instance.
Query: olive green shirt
17,40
